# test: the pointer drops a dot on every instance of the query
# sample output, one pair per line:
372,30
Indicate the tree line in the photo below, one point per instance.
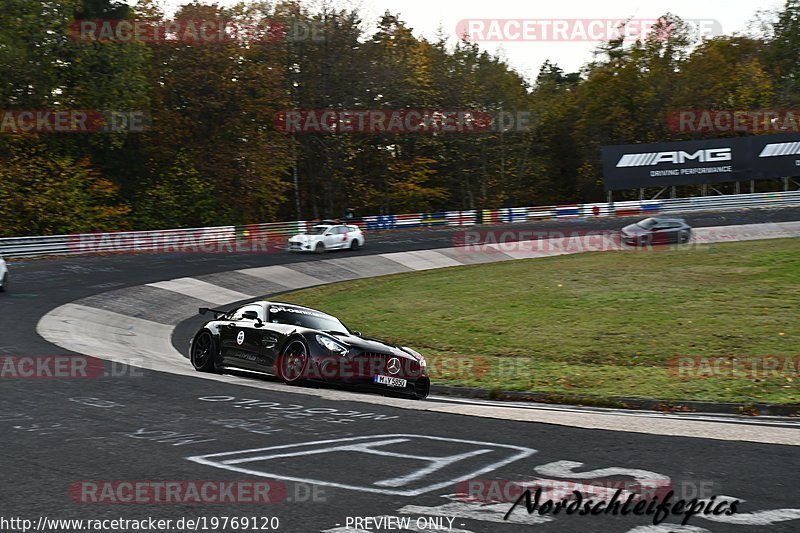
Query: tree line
210,153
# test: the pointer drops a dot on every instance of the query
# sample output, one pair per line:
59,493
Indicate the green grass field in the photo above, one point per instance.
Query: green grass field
599,325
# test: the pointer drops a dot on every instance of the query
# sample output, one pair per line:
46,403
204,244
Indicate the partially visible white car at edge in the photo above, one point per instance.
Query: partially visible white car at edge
3,275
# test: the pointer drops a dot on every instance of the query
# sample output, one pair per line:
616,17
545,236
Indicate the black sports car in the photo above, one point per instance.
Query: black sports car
299,344
657,231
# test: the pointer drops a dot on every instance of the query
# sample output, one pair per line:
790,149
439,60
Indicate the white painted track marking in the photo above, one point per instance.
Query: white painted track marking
291,279
202,290
370,442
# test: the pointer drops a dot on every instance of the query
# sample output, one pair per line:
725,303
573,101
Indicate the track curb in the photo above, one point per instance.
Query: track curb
633,404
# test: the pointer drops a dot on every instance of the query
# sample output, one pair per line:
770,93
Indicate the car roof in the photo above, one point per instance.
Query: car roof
296,306
662,219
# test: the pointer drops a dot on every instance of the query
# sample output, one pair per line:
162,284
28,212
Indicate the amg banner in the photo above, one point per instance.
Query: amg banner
708,161
775,156
632,166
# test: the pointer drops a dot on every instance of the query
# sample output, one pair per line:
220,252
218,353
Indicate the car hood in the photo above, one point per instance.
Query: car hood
303,237
634,229
374,345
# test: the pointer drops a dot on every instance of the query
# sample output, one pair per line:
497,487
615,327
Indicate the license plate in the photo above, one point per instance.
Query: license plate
390,382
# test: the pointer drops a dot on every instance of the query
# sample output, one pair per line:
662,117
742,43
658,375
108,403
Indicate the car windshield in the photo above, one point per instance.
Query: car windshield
318,230
647,223
307,318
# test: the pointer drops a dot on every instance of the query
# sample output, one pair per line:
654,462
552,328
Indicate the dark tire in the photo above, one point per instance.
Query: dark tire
294,362
422,388
319,248
204,353
5,283
685,236
354,245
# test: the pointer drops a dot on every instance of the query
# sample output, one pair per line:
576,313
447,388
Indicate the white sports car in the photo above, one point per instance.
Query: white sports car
3,275
328,237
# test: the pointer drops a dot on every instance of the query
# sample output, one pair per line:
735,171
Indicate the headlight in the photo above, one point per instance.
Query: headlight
332,345
422,362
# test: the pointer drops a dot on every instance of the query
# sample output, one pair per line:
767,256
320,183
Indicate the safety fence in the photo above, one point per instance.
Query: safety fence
272,236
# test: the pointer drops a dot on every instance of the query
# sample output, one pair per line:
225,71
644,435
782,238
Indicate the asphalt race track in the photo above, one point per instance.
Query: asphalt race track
322,456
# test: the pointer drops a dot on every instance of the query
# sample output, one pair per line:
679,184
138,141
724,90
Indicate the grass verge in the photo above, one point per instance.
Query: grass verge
664,325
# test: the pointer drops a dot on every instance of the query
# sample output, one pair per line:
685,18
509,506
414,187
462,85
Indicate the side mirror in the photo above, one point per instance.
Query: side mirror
356,333
252,315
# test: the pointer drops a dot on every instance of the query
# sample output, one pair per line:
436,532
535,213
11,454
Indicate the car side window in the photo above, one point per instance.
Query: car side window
251,307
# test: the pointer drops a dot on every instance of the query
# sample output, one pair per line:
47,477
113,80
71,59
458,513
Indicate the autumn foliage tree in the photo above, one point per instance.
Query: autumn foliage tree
212,156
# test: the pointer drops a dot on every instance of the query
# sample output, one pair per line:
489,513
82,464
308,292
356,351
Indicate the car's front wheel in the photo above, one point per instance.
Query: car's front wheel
204,353
319,248
294,362
4,286
422,387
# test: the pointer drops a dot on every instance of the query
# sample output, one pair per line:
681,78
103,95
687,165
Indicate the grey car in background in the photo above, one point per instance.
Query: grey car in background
3,275
657,230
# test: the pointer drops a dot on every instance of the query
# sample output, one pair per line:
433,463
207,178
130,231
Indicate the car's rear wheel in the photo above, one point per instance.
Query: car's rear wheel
685,236
355,245
319,248
293,363
204,353
4,286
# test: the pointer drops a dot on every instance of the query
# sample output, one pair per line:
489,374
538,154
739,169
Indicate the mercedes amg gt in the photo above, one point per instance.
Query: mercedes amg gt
299,344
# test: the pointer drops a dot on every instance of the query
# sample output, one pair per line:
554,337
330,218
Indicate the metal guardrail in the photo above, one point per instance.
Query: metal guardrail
213,239
255,237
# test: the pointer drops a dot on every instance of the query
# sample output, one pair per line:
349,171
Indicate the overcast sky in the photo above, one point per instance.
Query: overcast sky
426,16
